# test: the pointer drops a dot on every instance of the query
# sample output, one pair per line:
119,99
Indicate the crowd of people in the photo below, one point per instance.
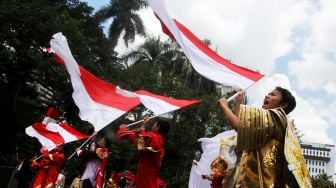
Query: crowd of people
265,146
48,170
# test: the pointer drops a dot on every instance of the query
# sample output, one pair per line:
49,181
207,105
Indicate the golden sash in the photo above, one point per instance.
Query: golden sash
259,132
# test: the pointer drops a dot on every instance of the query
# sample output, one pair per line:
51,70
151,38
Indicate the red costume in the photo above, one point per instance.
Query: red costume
42,170
161,183
49,166
102,153
217,180
126,178
151,151
57,158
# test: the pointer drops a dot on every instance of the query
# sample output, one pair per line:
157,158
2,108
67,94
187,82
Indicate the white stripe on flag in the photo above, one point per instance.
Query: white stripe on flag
67,136
158,104
161,104
45,137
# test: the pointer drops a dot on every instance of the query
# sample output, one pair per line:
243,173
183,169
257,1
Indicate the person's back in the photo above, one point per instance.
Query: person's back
150,150
57,159
92,163
150,160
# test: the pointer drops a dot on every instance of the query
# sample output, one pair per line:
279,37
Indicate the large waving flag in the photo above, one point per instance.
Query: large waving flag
204,60
101,102
97,100
54,134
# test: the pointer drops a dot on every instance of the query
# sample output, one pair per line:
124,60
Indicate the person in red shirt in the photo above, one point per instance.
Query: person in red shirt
150,150
102,153
56,162
41,168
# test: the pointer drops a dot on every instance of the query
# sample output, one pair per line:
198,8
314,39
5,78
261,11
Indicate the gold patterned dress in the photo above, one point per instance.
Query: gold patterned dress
261,139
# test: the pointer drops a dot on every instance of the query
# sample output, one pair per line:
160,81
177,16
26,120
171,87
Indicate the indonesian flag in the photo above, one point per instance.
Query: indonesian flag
204,60
101,102
97,100
68,133
54,134
158,104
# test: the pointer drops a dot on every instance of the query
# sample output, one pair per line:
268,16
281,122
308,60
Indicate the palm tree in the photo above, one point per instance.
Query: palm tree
125,18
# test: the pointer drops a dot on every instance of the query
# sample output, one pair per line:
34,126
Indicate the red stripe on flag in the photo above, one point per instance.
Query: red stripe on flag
104,93
73,131
53,136
176,102
252,75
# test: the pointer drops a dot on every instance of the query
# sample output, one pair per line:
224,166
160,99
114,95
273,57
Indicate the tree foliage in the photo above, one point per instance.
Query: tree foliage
323,180
124,18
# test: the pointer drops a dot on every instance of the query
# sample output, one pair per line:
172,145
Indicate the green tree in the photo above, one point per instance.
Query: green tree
323,181
124,18
26,28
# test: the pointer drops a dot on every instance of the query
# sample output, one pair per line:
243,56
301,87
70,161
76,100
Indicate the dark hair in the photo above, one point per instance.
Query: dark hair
163,127
107,142
90,131
287,97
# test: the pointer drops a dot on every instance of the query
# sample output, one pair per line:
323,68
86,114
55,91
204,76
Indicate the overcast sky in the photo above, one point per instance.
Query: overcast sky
292,42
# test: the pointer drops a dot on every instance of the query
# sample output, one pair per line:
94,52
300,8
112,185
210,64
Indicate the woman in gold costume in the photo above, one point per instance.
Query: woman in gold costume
271,155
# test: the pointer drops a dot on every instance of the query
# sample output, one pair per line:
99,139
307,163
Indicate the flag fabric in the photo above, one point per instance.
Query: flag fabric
203,59
158,104
47,138
54,134
96,99
68,133
101,102
210,151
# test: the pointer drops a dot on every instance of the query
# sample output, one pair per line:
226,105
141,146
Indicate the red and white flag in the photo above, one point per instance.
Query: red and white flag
97,100
158,104
101,102
68,133
203,59
54,134
47,138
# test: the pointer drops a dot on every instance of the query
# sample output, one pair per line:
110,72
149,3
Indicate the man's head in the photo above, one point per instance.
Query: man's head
59,148
280,98
162,127
104,142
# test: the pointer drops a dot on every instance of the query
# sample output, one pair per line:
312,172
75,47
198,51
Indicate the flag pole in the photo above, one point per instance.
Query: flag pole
141,120
235,95
95,134
82,145
151,117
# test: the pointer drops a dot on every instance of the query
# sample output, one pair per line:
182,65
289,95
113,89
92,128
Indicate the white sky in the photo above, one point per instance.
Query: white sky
292,42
